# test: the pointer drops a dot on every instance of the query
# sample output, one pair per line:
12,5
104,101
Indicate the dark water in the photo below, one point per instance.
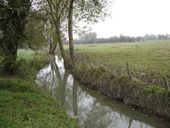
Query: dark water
89,108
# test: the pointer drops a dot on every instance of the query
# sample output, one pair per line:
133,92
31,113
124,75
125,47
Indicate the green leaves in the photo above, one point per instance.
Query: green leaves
13,15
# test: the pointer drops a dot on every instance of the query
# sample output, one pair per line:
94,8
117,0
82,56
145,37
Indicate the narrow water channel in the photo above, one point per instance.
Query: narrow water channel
88,107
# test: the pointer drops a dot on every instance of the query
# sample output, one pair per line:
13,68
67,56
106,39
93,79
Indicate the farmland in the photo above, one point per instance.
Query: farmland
151,57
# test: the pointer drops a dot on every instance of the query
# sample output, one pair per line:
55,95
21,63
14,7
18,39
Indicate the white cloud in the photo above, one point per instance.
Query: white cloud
136,17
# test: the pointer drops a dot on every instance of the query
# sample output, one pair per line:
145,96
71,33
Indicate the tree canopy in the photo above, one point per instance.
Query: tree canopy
13,18
49,21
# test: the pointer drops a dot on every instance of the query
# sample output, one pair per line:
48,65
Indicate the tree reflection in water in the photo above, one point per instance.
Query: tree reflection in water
88,110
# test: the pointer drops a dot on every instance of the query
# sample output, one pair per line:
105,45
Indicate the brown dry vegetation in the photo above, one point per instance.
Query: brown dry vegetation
144,96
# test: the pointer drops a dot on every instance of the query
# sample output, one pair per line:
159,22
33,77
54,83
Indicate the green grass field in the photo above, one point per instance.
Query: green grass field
29,54
146,57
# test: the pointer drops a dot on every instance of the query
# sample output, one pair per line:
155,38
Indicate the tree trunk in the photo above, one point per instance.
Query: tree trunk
13,20
52,47
9,47
70,31
58,33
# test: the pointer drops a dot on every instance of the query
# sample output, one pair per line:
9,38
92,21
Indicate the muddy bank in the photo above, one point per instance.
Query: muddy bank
144,96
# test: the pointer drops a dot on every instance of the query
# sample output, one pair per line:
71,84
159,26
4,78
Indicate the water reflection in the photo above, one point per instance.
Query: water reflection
88,110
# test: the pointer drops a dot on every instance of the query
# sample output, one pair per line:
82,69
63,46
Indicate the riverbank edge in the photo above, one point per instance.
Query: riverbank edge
24,104
146,97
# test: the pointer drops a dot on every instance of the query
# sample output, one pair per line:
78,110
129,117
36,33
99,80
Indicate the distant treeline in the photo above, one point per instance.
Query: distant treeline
92,38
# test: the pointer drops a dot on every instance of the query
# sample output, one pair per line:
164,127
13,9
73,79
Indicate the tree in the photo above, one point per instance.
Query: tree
55,10
86,11
51,37
70,30
34,31
13,17
64,13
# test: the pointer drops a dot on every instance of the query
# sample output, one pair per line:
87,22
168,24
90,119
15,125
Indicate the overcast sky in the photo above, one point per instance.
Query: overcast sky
136,18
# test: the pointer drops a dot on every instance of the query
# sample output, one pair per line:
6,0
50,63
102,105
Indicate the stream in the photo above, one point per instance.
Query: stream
89,107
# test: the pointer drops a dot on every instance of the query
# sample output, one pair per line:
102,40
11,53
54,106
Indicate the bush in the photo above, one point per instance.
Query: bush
27,68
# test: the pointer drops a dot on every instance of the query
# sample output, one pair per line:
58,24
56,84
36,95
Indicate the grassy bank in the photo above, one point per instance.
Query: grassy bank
103,67
132,92
23,104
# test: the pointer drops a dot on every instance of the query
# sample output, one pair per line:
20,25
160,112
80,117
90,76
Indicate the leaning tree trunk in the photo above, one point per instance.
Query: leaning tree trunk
70,31
58,33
